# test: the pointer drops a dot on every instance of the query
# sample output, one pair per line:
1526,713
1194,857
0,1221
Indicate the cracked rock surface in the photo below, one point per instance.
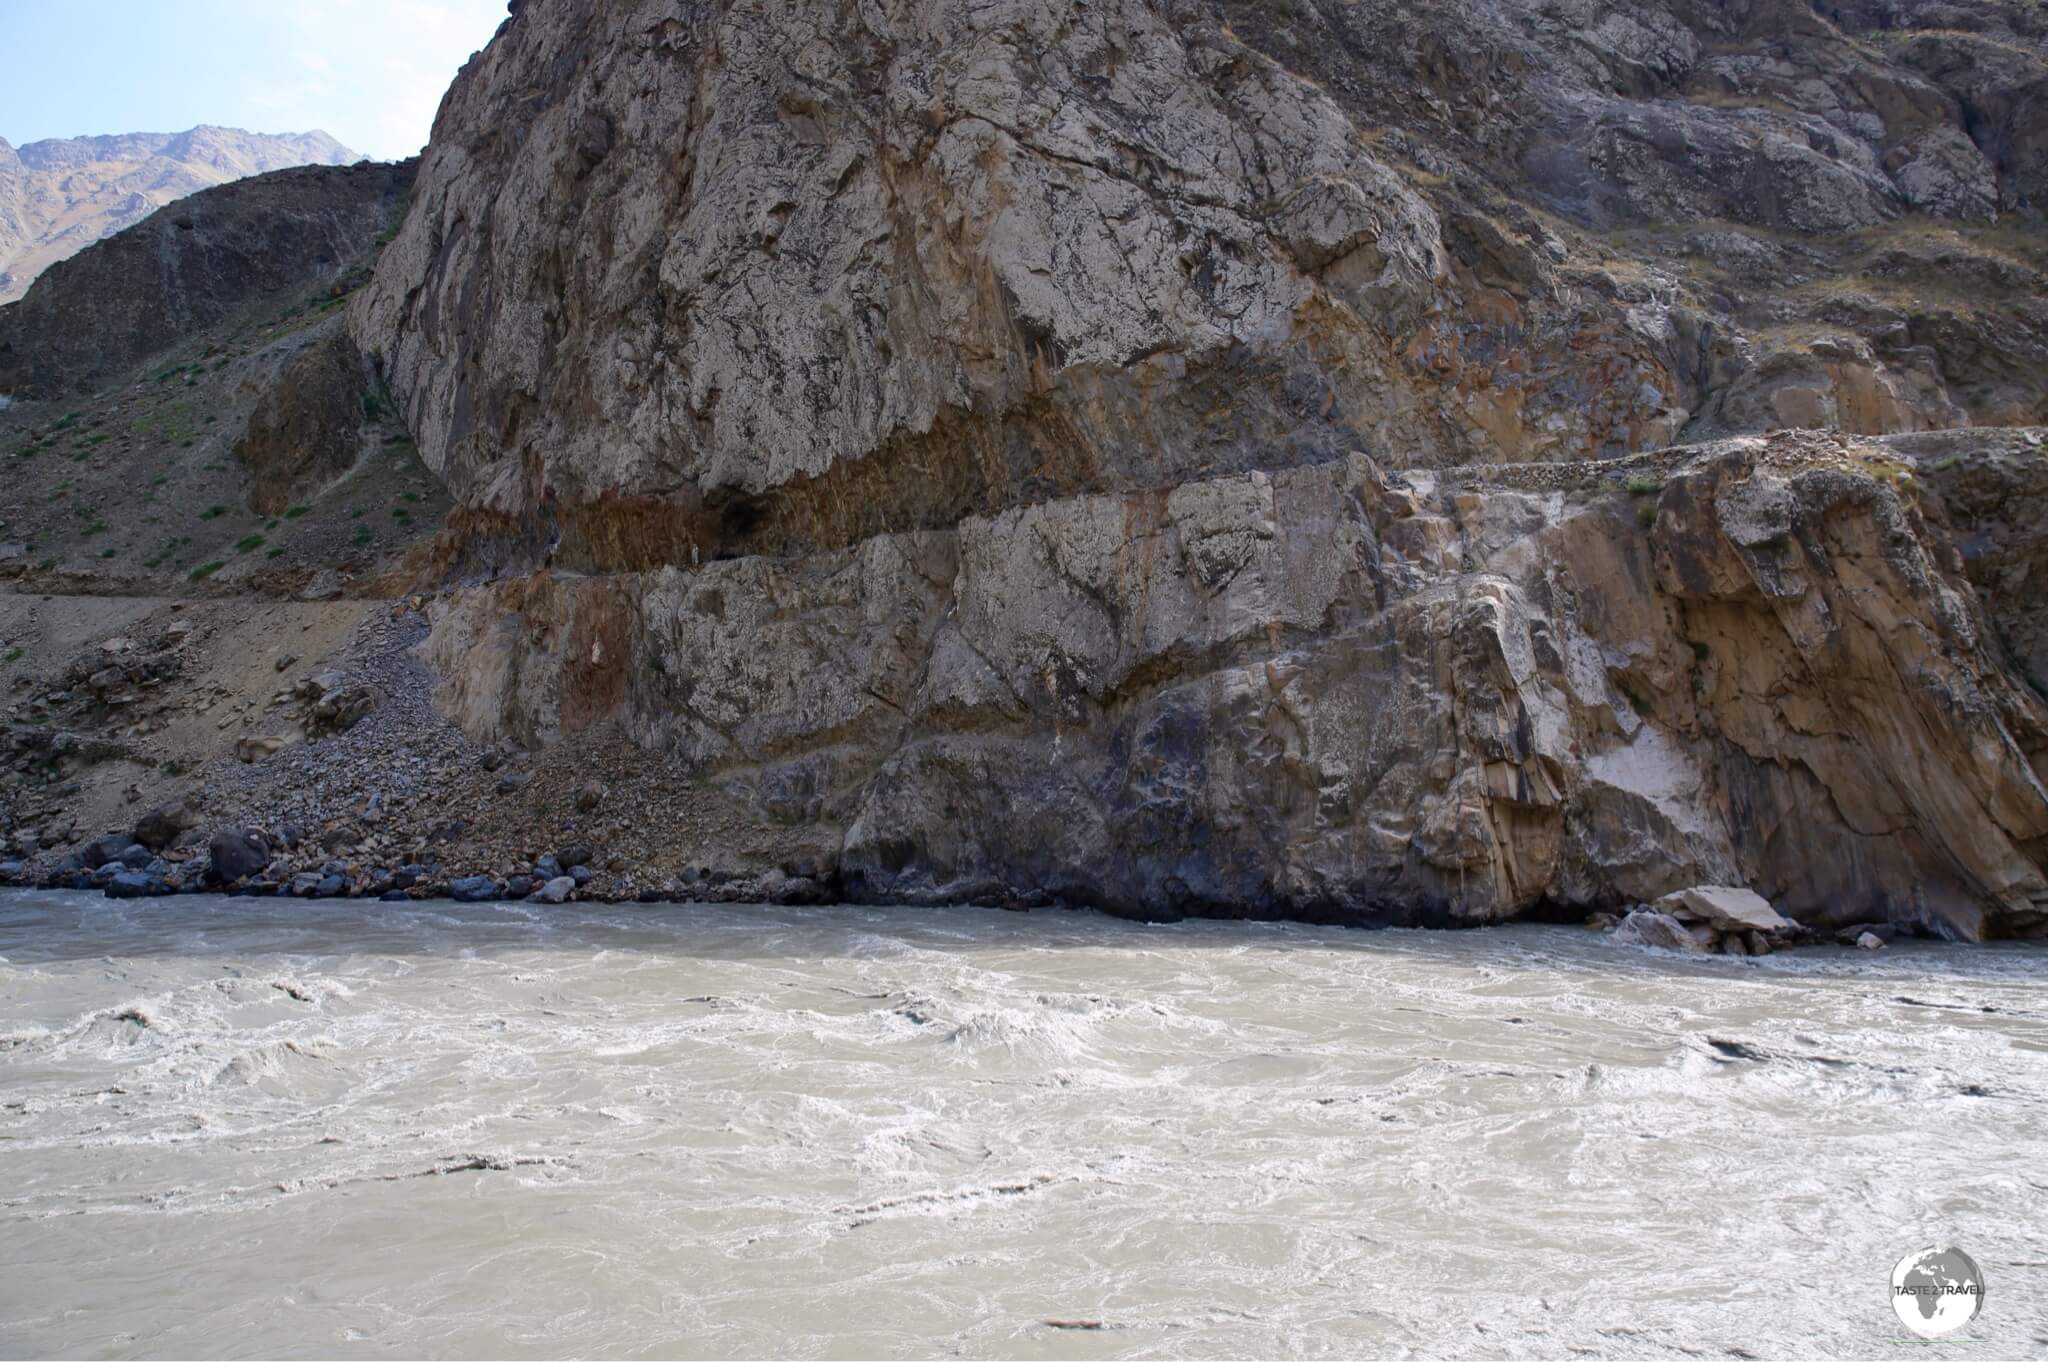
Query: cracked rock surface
1214,457
1372,461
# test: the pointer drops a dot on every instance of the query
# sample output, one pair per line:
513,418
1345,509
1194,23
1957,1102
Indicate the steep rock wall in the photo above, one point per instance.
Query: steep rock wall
1342,691
1187,459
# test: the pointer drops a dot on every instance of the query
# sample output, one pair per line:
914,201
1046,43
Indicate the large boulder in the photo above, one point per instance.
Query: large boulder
236,853
162,825
1727,907
100,851
1644,927
556,890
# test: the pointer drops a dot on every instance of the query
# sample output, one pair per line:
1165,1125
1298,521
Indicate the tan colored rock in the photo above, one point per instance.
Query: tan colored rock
256,748
1728,907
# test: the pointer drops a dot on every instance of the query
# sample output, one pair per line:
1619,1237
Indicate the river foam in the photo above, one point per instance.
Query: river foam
318,1128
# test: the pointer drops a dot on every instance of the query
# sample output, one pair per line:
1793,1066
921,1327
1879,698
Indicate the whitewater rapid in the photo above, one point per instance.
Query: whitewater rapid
266,1128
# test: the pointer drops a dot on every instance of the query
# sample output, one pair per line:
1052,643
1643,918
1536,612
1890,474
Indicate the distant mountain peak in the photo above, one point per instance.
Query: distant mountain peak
64,193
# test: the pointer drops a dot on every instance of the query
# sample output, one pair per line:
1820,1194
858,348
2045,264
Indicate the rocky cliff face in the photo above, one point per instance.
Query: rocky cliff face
61,195
1200,457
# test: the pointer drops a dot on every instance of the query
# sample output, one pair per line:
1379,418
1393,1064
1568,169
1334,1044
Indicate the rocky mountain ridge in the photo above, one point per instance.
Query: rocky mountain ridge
59,195
1369,462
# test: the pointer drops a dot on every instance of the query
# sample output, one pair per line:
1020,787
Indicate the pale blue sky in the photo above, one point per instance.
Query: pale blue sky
371,72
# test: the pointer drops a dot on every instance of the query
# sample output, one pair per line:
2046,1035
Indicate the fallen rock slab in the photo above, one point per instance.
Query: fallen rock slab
1728,907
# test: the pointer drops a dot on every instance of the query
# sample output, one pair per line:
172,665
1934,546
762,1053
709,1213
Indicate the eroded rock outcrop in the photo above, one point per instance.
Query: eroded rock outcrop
1192,458
311,424
1343,691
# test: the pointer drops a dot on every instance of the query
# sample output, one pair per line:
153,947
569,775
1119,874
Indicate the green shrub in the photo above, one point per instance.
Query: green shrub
1643,487
295,512
249,543
212,511
205,570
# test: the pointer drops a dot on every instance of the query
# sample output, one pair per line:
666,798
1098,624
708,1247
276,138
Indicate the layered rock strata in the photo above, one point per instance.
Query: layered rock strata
1194,457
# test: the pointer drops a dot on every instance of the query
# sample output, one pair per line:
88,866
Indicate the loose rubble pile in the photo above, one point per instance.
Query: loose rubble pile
166,854
348,783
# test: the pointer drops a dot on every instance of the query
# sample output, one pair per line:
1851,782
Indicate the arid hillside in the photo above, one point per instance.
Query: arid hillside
60,195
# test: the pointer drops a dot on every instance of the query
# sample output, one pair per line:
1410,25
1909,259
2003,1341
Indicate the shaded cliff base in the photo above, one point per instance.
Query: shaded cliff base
1825,616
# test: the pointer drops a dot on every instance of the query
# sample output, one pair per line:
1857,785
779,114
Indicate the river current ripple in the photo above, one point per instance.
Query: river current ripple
258,1128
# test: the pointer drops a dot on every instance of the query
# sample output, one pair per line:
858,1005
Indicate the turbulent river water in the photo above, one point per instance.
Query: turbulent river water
255,1128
